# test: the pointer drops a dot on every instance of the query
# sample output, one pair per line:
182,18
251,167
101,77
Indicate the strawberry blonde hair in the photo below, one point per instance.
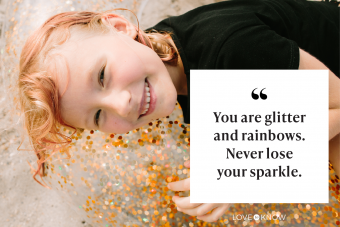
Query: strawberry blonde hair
40,66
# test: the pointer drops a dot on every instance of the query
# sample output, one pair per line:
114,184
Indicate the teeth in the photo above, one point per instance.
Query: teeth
147,92
147,87
146,108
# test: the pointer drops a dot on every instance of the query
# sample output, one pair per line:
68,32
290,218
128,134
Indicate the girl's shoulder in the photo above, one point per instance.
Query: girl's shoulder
249,34
203,32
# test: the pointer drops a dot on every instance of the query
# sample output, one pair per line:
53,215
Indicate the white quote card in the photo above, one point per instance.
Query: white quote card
259,136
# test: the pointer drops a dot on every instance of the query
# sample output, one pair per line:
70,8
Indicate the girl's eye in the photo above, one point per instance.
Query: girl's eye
101,77
96,118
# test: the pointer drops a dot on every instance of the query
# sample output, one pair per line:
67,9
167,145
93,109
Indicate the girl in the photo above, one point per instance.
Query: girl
98,71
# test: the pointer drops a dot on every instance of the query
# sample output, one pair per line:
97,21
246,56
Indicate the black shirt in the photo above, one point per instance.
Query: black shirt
254,34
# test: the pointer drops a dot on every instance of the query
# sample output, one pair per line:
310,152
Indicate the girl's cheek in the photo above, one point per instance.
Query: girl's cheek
117,126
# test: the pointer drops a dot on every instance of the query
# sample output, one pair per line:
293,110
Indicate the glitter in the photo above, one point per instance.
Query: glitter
135,182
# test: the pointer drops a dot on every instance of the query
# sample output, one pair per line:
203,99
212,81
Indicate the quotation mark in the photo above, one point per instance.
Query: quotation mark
256,96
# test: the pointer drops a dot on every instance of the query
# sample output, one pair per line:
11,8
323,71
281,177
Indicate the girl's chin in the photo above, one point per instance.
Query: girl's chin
165,112
170,108
160,112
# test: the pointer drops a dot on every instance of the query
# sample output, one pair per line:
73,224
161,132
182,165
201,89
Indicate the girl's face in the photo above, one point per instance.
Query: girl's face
111,81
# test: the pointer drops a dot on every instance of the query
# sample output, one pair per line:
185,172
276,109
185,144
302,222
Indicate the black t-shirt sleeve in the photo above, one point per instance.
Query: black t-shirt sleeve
258,47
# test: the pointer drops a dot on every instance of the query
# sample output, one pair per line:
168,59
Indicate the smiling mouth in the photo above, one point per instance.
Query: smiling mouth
146,99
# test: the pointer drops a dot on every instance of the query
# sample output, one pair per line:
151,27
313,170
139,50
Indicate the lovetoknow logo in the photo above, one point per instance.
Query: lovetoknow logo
249,217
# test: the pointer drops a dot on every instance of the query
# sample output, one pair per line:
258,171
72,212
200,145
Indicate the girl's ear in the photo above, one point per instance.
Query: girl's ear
120,24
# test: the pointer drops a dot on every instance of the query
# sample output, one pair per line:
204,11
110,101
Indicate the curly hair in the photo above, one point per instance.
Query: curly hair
39,68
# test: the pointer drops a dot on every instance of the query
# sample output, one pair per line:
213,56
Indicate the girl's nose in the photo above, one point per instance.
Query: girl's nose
119,103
